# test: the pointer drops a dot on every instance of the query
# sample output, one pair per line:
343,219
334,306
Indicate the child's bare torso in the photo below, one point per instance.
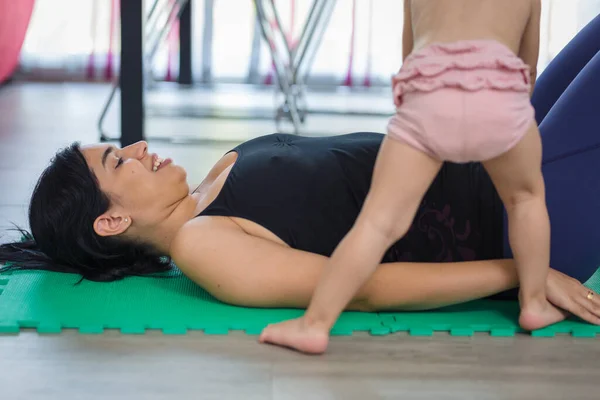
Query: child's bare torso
453,20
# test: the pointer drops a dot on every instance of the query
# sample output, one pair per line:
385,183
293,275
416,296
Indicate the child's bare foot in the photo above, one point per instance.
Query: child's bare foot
539,314
296,334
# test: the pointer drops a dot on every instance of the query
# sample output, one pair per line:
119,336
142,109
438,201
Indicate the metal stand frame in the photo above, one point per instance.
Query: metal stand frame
141,38
136,64
292,65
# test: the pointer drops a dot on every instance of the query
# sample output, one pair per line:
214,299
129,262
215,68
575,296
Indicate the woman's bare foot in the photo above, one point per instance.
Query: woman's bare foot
539,314
296,334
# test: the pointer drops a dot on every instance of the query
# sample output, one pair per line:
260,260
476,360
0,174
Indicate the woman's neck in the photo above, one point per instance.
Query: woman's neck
192,205
175,216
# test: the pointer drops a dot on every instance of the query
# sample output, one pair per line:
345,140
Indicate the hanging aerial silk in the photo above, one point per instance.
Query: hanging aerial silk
172,47
367,81
290,34
114,22
289,37
348,80
14,20
90,70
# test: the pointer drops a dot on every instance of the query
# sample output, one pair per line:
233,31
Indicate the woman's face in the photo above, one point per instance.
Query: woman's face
137,192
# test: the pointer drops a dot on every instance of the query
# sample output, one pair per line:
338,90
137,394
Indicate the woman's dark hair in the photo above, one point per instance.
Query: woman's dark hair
64,205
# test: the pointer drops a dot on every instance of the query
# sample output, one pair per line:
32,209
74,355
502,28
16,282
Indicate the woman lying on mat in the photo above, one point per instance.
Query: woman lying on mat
258,230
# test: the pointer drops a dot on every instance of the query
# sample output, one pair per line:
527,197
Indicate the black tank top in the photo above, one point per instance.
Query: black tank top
309,191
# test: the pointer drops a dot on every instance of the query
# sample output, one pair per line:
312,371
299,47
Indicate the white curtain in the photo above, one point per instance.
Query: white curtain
79,40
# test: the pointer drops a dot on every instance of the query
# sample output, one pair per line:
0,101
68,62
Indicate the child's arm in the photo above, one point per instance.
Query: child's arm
530,43
407,33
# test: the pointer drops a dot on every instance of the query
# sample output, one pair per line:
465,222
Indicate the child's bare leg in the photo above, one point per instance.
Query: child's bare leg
401,177
518,178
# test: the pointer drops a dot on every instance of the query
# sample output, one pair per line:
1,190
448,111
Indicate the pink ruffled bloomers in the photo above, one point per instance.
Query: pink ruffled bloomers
462,101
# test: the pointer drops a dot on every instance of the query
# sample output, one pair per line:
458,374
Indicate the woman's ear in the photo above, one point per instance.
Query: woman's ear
111,225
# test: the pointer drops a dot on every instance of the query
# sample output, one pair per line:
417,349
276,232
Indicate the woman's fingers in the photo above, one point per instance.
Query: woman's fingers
591,301
585,315
587,311
570,295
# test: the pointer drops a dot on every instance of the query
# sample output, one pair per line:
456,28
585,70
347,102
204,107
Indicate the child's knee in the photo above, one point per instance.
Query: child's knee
524,194
389,228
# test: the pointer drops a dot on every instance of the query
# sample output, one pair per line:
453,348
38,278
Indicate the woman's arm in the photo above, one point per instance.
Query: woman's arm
241,269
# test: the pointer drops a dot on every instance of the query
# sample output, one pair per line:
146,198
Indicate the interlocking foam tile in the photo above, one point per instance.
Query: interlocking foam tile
50,302
499,318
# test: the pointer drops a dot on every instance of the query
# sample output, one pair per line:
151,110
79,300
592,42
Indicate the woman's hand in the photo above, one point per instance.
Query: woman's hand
570,295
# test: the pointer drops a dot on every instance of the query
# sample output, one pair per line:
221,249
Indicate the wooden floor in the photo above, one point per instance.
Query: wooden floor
37,119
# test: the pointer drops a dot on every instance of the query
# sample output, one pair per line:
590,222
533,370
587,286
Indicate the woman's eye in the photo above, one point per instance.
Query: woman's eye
119,162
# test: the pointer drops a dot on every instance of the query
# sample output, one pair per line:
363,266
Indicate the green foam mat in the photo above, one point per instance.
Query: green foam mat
50,302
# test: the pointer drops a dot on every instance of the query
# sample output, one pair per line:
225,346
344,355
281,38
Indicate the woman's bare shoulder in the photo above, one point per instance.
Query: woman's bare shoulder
194,232
240,268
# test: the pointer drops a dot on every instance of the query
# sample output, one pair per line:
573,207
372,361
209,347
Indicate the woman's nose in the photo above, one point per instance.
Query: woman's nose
143,149
137,150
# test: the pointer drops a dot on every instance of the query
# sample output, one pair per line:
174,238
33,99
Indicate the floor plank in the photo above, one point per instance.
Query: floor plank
74,366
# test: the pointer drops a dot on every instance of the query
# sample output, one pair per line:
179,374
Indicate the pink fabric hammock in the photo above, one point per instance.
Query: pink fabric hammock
14,20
